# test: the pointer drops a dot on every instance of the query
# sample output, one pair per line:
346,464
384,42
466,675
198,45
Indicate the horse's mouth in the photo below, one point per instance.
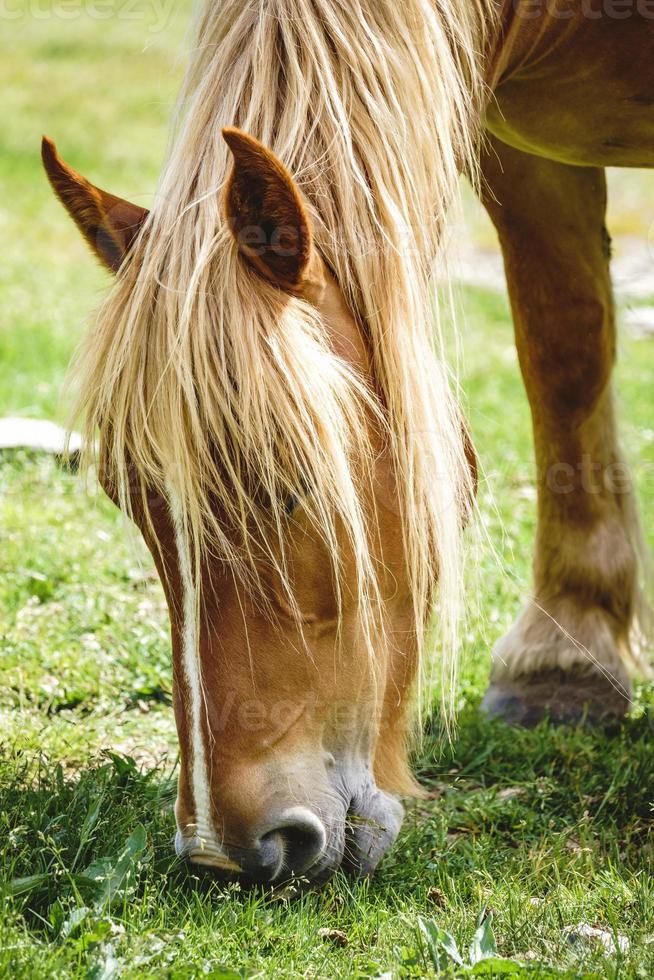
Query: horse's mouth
371,831
356,847
205,853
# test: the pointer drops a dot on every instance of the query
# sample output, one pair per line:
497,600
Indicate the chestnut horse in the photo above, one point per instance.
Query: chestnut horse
274,414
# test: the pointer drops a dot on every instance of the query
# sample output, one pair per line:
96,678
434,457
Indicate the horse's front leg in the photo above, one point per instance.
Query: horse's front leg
569,652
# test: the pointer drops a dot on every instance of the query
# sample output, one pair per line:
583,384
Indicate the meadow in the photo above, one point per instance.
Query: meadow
526,837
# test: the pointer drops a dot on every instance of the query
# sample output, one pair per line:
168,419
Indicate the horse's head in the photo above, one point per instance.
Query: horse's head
254,457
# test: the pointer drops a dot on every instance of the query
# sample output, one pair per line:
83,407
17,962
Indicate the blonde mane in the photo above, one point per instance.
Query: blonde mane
213,387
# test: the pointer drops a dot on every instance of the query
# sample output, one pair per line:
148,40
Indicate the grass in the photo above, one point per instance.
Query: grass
548,829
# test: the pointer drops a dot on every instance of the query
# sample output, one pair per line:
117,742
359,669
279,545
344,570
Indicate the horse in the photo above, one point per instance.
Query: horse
268,386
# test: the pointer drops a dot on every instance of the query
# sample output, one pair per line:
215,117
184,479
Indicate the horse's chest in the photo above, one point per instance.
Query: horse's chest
580,89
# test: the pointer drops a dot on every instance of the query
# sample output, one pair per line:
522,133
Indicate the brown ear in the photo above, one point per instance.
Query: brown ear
108,223
267,216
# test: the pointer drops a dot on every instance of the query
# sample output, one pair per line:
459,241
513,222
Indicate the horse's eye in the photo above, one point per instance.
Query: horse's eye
293,501
290,504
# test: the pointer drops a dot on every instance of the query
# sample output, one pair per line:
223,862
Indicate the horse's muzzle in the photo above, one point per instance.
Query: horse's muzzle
297,844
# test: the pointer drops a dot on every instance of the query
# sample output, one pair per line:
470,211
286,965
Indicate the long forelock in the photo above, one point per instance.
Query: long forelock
372,106
236,403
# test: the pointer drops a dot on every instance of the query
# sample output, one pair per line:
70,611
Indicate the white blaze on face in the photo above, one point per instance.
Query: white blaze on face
203,842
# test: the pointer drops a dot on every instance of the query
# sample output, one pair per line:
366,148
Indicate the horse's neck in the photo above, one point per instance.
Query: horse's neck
520,38
501,42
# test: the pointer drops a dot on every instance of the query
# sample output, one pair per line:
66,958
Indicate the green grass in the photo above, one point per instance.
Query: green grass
548,829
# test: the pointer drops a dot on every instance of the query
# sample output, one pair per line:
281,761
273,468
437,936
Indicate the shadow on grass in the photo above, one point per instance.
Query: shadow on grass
534,823
500,799
65,835
491,785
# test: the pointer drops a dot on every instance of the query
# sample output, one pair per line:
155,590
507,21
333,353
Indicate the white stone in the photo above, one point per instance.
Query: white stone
38,434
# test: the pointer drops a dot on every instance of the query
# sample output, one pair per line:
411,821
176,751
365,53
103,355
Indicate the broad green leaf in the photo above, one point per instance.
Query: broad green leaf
483,942
107,877
91,818
124,765
56,916
74,920
91,880
441,945
23,886
106,967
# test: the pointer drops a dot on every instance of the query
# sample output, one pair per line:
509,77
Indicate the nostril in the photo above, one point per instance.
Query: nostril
293,844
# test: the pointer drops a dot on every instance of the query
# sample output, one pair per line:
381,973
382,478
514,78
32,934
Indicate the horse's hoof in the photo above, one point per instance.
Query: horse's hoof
563,698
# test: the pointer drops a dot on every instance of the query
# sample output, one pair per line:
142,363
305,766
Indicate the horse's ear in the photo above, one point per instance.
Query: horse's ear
268,218
108,223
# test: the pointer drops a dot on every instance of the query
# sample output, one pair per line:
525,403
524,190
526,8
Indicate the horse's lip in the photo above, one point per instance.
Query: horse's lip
357,839
372,826
357,849
212,861
199,851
